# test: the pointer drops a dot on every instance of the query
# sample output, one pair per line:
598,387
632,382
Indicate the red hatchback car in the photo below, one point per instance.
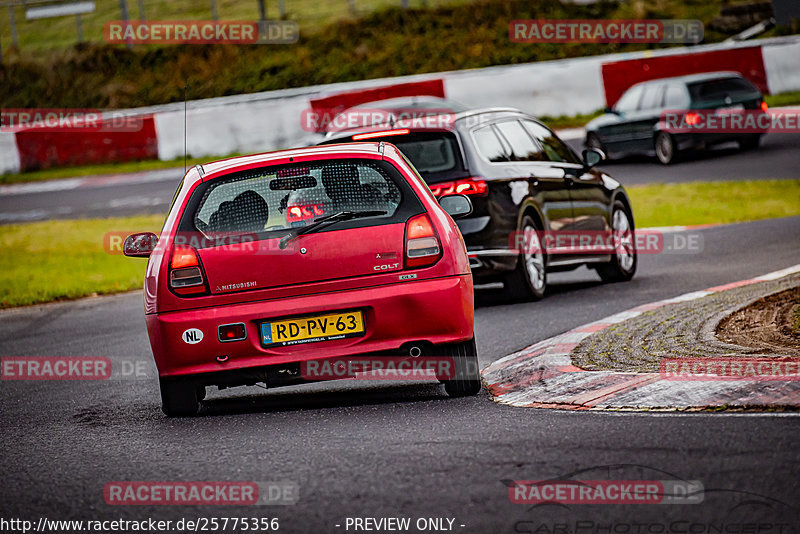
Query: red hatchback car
270,261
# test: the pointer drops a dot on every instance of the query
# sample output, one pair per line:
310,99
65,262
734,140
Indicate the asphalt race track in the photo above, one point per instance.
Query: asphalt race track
151,192
406,450
359,449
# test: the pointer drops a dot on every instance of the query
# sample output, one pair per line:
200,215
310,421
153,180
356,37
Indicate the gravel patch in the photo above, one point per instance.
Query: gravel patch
679,330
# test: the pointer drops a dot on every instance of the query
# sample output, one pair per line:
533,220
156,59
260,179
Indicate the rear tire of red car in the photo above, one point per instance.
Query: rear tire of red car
665,147
178,398
528,280
622,266
467,381
749,142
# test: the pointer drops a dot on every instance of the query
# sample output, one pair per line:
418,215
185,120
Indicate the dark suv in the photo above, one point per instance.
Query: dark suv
523,181
634,125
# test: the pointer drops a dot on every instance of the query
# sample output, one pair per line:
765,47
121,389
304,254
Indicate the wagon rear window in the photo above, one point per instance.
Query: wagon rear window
716,89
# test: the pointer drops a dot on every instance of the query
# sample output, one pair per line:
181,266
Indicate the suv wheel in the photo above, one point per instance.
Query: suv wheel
467,379
622,266
665,148
178,397
528,280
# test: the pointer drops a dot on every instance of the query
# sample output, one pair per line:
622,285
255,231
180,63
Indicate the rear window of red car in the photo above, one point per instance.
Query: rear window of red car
275,199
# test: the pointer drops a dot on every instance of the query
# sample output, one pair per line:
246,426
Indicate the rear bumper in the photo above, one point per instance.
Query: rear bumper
436,311
703,140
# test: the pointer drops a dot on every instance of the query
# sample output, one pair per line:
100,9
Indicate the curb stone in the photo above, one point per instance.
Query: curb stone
543,375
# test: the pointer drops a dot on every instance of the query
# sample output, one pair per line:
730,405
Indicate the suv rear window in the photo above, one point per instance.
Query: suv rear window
715,89
435,155
277,198
430,152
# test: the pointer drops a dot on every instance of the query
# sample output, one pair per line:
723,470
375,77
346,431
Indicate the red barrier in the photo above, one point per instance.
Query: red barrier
618,76
41,149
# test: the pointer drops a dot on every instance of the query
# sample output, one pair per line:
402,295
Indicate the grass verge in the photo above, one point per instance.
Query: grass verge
58,260
43,35
713,202
791,98
570,121
384,42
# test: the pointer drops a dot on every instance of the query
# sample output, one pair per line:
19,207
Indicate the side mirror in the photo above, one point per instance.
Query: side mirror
593,156
140,245
456,205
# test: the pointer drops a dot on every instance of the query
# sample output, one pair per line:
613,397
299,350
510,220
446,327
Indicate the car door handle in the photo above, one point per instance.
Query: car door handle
535,180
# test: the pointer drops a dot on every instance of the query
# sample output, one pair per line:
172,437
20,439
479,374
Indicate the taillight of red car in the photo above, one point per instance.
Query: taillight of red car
185,273
467,186
422,247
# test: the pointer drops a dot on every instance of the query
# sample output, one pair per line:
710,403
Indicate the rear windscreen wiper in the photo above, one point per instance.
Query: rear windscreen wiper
324,222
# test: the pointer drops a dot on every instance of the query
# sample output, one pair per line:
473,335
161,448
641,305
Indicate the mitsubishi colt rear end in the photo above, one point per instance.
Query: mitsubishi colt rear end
271,261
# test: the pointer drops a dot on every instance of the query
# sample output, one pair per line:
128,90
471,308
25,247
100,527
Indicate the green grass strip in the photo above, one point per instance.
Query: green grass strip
58,260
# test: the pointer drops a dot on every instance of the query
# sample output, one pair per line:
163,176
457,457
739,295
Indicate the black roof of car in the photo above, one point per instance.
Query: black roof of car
696,78
490,112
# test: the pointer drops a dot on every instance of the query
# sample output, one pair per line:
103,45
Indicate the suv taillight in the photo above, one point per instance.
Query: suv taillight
185,273
422,244
467,186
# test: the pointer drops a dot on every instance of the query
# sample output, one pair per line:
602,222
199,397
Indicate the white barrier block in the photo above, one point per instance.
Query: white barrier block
244,128
782,65
9,153
562,87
